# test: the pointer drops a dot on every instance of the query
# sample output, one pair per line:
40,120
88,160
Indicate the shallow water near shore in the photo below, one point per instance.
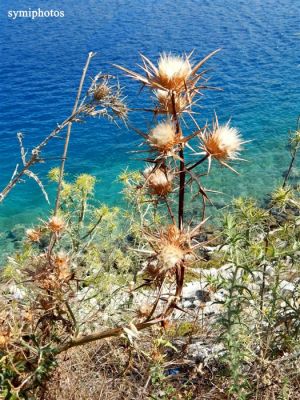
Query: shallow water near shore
258,70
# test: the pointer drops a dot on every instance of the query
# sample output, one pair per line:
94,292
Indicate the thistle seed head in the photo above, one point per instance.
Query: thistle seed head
171,247
62,266
170,256
56,224
173,71
223,143
34,235
163,137
159,181
102,91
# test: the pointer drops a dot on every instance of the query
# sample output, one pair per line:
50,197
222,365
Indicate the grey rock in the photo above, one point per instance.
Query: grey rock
254,287
188,304
211,309
220,295
16,292
258,276
269,269
190,290
212,272
286,288
198,303
226,270
211,249
260,237
204,353
281,244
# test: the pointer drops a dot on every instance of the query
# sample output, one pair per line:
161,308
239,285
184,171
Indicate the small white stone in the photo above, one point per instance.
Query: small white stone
189,291
16,292
258,276
187,304
226,270
269,270
287,288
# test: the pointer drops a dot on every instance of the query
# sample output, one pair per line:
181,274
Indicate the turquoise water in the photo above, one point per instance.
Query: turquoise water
258,70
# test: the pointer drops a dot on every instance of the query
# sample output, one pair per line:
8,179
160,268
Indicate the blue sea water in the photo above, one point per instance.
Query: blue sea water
42,60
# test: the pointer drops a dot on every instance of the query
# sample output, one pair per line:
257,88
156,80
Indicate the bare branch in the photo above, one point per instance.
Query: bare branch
67,140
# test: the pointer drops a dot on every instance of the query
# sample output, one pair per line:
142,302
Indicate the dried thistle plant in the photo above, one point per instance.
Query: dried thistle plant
63,266
175,83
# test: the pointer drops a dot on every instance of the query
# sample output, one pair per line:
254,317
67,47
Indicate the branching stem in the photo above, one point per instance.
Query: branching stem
67,140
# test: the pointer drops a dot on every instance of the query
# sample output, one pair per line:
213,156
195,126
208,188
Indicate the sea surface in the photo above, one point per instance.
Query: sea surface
42,60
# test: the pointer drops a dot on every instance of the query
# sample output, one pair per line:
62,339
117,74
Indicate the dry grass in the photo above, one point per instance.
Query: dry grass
111,370
95,371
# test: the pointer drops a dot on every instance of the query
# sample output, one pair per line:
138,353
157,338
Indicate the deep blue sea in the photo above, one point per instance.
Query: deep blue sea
42,60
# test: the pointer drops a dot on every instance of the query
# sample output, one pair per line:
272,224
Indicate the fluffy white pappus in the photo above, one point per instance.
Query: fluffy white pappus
172,66
159,181
163,136
170,256
56,224
173,70
224,142
229,139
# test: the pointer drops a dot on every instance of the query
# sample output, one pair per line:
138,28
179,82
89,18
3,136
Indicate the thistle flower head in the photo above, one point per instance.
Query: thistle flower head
56,224
53,174
170,256
282,197
85,183
163,137
101,91
34,235
159,181
173,71
222,143
170,246
61,262
105,98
